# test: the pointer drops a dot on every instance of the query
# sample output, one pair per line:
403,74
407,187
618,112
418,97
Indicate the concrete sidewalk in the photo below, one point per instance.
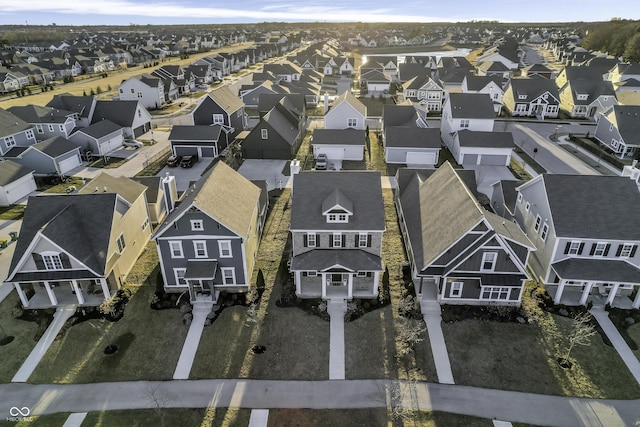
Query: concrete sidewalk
259,418
61,315
5,290
432,315
75,420
334,394
627,356
336,308
190,346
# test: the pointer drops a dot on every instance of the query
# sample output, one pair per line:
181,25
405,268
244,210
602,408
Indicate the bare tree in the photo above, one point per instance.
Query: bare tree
580,334
160,401
410,332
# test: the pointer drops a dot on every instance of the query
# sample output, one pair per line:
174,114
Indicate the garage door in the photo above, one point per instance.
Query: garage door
332,153
20,188
140,130
68,164
208,151
470,159
493,160
112,144
417,158
185,150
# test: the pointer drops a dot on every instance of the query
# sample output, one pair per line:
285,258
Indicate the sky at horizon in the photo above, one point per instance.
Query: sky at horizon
143,12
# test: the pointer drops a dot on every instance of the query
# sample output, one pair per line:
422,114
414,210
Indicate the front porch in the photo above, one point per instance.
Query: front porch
80,292
582,293
333,285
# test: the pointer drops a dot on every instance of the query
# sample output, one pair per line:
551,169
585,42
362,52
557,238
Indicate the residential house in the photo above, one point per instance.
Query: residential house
130,115
495,69
277,135
583,253
83,107
209,242
339,145
532,97
491,85
622,72
100,138
199,140
14,132
221,107
16,182
412,145
466,111
586,99
337,224
53,156
346,111
459,252
425,91
147,89
79,248
619,130
538,70
48,122
374,81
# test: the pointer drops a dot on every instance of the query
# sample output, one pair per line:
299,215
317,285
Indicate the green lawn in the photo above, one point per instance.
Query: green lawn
187,417
13,354
53,420
73,181
112,163
634,333
13,212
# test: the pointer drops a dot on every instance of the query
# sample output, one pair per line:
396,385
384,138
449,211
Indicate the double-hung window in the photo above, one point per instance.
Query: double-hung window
489,261
200,248
176,249
224,248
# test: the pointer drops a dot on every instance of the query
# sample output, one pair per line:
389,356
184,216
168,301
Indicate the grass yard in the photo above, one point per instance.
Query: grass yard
149,341
72,181
13,354
112,163
375,105
52,420
12,213
634,333
172,417
511,356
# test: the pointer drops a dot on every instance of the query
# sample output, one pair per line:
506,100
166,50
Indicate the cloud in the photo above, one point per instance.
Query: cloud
274,12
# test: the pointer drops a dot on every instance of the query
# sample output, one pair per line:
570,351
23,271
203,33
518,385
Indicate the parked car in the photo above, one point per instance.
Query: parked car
132,143
174,161
188,161
321,162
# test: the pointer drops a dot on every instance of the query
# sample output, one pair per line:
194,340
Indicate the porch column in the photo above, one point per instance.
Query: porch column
324,286
636,301
25,301
350,286
78,291
192,292
52,295
612,293
105,288
297,281
376,280
586,293
558,297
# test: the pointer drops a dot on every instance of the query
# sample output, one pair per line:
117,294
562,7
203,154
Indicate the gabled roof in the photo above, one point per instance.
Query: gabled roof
153,184
469,138
38,114
226,99
314,190
336,199
127,188
293,102
532,89
70,222
471,106
348,136
77,104
412,137
493,66
11,124
283,123
56,146
11,171
350,99
593,88
224,195
100,129
122,113
584,205
626,119
195,133
399,115
476,83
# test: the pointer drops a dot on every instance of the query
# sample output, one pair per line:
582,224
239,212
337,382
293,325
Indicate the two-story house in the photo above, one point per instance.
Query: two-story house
147,89
490,85
48,122
532,97
79,248
209,242
346,111
459,252
337,223
586,231
585,99
134,119
221,107
424,91
14,132
619,129
466,111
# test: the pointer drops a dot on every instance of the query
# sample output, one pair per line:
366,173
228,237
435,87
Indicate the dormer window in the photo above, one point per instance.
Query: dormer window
582,97
52,262
337,208
337,217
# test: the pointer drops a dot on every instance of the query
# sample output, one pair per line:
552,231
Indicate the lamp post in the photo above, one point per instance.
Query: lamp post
555,133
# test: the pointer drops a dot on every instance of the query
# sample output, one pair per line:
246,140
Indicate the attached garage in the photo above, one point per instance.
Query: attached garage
421,158
68,164
185,150
141,130
110,145
16,182
331,153
414,146
470,159
494,160
339,144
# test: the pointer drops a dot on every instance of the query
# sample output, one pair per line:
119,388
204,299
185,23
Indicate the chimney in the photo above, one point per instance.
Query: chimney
170,192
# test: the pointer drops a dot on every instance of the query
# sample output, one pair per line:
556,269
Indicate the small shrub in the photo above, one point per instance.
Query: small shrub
185,308
187,318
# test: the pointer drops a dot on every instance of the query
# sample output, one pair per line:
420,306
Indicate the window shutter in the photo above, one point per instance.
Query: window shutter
317,240
37,258
581,248
633,251
606,249
619,251
331,240
304,241
64,258
343,240
369,241
356,240
593,249
566,248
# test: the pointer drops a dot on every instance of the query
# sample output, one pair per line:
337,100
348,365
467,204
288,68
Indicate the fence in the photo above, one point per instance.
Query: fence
154,158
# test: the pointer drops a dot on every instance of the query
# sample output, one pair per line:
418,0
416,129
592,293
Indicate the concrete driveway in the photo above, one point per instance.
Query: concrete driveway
267,170
186,175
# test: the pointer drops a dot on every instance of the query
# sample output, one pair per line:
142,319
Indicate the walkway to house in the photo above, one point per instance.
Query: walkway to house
259,418
5,290
336,308
432,315
75,419
627,356
61,315
190,346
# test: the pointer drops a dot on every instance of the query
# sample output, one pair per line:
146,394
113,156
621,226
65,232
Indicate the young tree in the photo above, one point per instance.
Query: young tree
410,332
580,334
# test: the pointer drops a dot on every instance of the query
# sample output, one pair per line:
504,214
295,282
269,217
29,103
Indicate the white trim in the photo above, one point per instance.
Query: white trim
177,278
197,225
455,289
181,254
233,275
221,249
485,260
204,247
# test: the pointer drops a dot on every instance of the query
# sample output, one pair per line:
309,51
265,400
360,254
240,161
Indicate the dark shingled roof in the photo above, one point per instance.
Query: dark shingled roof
470,138
471,105
56,146
584,205
11,171
153,186
76,104
195,133
338,137
101,128
37,114
322,259
413,137
627,120
361,188
11,124
119,112
476,83
399,115
70,222
603,270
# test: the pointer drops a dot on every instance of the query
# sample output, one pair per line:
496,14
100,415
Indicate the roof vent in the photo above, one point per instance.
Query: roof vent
105,189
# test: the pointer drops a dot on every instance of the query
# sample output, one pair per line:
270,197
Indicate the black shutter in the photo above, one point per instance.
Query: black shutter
581,248
369,240
633,251
356,241
318,240
343,240
64,258
566,248
593,249
606,249
619,251
37,258
331,240
304,241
